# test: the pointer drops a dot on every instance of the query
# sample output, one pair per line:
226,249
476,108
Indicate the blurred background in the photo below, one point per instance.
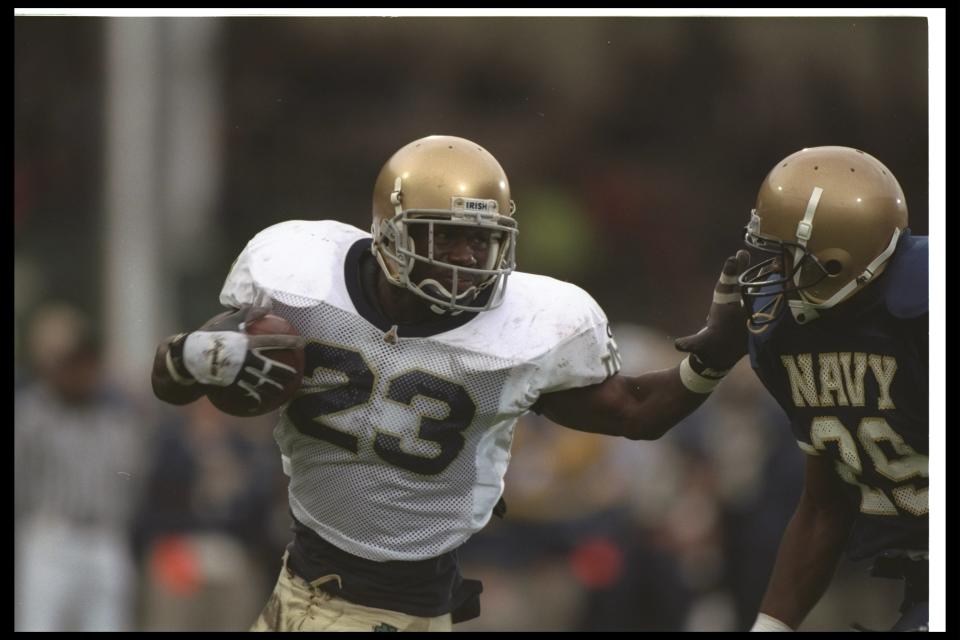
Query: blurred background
148,150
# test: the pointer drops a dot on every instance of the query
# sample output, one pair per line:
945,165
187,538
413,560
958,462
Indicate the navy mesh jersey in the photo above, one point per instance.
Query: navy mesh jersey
854,384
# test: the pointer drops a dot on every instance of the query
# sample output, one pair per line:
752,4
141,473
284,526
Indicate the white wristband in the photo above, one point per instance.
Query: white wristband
769,623
215,357
696,382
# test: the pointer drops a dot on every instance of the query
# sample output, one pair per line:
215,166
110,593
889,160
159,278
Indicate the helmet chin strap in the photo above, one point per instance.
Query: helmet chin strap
804,231
437,290
802,311
396,196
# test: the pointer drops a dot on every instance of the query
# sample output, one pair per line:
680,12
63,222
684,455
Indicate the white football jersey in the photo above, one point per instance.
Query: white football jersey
398,440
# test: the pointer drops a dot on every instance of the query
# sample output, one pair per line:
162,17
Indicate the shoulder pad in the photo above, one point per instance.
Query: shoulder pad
907,294
302,259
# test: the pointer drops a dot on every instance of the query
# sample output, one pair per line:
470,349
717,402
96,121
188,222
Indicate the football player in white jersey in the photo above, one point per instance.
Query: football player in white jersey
419,360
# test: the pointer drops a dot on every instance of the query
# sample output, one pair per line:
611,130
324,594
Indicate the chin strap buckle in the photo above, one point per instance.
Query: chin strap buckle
396,197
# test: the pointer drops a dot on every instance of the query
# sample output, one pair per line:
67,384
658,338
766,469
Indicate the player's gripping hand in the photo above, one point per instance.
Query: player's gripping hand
723,341
220,353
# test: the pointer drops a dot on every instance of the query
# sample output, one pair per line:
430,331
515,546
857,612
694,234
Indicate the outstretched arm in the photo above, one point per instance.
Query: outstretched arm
639,408
647,406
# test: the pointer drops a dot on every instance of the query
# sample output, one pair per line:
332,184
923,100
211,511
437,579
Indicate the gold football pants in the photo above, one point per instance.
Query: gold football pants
296,605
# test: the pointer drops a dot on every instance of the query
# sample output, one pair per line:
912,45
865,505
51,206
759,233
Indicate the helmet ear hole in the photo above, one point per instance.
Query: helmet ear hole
834,262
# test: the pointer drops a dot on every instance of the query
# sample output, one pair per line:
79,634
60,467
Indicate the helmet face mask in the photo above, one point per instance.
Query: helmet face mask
832,216
405,253
774,279
439,186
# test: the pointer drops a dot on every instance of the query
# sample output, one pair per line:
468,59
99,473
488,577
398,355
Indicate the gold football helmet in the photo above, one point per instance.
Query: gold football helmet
833,215
444,180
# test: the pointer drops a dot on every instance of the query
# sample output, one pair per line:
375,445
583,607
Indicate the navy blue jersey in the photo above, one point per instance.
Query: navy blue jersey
854,385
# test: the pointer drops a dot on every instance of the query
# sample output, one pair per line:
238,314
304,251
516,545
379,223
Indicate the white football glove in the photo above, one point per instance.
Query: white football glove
215,357
221,354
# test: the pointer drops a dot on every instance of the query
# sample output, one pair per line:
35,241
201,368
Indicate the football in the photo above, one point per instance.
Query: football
236,401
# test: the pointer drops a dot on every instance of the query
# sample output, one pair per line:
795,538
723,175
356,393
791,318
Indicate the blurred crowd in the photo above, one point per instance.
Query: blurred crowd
131,515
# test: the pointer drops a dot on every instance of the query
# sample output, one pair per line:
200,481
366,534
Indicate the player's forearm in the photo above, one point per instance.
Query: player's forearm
165,387
639,408
660,401
806,561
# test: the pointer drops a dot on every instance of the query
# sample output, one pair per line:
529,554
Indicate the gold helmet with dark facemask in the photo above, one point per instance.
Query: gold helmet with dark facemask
444,180
832,216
